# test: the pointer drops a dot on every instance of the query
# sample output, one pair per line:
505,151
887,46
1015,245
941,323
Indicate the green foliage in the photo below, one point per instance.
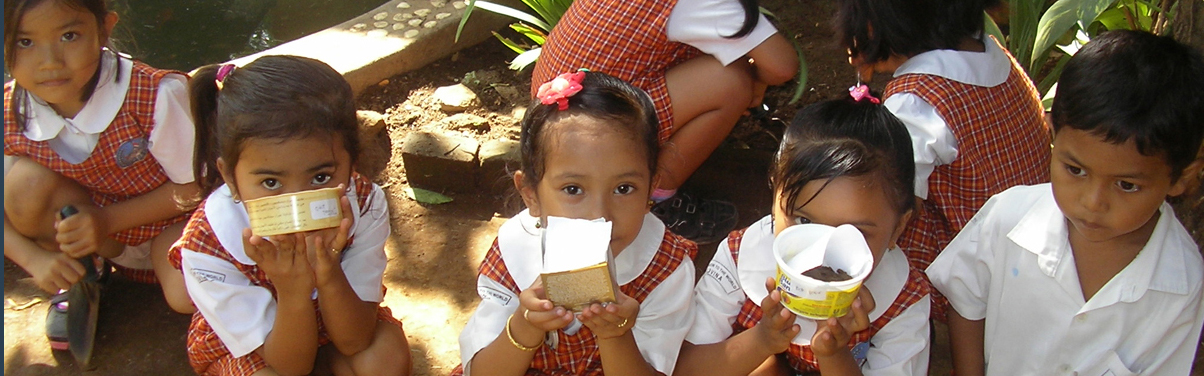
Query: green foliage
534,28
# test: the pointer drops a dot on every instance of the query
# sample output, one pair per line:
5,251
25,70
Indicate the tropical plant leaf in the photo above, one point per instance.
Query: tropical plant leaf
515,13
531,33
801,88
469,6
525,59
989,27
1023,29
426,197
517,48
1059,18
1113,19
1048,99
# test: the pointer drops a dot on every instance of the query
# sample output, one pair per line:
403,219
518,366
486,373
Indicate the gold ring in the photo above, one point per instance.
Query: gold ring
525,312
624,323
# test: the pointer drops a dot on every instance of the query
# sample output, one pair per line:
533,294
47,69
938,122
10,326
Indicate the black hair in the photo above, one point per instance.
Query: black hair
752,15
602,97
13,11
874,30
1131,85
274,97
844,137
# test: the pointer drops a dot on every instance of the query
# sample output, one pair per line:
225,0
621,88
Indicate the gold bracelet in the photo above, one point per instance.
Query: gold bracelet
515,343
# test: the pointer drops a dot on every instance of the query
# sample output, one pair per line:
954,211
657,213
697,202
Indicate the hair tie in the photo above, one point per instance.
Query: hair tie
559,89
223,71
861,92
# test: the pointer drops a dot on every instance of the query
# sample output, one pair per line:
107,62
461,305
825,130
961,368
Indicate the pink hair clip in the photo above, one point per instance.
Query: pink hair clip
222,72
860,92
559,89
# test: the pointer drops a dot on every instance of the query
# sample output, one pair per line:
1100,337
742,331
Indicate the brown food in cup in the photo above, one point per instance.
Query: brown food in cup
826,274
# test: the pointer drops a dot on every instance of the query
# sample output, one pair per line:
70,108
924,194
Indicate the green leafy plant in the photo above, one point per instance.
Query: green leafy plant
534,27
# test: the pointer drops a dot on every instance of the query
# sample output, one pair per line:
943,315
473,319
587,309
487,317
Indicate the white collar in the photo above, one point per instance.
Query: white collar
757,263
519,241
228,218
96,115
1043,232
987,69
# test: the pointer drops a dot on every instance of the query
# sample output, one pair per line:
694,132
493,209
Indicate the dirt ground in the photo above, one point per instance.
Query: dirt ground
435,249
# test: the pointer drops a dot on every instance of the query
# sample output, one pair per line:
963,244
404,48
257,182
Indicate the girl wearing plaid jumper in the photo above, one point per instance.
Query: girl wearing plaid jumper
87,127
292,303
841,162
583,118
975,119
704,62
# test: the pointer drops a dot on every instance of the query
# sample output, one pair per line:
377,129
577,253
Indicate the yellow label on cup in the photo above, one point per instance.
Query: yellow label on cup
813,301
296,212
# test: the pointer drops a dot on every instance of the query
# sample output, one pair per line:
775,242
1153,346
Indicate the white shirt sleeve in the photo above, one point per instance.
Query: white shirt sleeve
932,142
704,24
488,321
901,347
962,272
364,261
718,298
241,313
171,139
665,318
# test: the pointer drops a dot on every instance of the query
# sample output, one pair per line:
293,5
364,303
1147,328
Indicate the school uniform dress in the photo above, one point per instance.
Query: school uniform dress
977,128
656,270
235,300
1013,267
727,302
638,41
132,136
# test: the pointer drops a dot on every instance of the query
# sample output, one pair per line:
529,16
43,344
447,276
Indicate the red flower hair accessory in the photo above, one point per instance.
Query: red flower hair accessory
559,89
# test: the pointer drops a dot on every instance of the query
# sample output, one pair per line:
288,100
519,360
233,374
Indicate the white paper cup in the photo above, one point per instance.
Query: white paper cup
802,247
295,212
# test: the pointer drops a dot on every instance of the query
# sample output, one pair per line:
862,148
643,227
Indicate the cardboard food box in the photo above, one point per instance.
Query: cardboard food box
295,212
577,262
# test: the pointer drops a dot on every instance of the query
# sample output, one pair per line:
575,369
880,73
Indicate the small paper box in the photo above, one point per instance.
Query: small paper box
577,262
295,212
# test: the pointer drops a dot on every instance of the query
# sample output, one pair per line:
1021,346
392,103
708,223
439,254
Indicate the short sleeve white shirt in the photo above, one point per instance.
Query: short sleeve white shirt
664,315
704,24
899,348
933,143
1012,265
242,313
171,138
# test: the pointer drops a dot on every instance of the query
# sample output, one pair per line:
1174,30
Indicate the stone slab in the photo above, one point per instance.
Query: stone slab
499,160
440,161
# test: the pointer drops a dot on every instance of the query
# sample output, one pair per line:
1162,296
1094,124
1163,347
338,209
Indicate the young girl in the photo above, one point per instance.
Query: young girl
844,161
584,117
89,128
705,63
975,120
293,303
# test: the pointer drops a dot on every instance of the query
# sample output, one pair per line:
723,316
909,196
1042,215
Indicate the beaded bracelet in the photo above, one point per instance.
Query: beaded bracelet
519,345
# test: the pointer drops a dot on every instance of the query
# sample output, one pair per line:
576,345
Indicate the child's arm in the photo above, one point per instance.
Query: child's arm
292,345
52,271
831,340
525,327
748,350
611,326
343,312
83,233
966,342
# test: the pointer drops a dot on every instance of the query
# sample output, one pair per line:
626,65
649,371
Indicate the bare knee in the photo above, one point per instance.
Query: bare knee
389,353
33,194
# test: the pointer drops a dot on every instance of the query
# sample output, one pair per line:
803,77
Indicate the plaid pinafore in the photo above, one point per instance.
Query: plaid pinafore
1002,141
121,166
206,352
622,38
578,354
800,357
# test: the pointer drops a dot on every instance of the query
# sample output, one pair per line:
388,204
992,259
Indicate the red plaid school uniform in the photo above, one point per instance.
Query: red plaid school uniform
800,357
578,354
120,167
206,352
1002,141
622,38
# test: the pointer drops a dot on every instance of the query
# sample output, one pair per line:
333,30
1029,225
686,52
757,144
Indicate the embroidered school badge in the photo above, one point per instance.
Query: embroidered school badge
131,152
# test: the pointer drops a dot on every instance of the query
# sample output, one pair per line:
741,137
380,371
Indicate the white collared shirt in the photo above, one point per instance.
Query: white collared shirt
704,24
900,348
933,143
171,139
1012,265
242,313
664,315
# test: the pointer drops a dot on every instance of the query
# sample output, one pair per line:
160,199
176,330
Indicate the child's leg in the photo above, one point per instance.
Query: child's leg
170,278
33,196
389,354
708,98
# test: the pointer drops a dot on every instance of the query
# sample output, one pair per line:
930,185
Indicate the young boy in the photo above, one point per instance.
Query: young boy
1091,274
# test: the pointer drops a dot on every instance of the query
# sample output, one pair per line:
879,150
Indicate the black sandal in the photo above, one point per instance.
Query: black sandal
56,322
702,221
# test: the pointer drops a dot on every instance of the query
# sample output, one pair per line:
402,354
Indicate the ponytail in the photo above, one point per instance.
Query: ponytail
752,14
202,88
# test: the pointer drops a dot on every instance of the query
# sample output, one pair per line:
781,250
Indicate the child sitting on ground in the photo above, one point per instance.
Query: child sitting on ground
705,63
1091,274
292,303
844,161
583,118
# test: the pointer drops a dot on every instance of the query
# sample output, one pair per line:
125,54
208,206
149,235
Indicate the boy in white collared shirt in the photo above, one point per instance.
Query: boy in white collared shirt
1091,274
